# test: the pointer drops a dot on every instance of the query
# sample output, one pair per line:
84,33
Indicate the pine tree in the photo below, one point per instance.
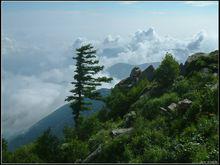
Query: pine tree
85,84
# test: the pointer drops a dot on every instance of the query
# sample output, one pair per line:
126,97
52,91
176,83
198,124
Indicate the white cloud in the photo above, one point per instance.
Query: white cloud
196,41
201,3
148,46
27,99
128,2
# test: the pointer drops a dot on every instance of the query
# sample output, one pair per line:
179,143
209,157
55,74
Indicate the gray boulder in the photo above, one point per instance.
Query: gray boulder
135,72
172,106
181,105
184,104
148,73
120,131
132,80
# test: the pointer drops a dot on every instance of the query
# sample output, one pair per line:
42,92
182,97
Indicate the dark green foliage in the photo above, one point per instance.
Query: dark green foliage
181,86
85,83
74,150
168,71
152,107
5,153
114,151
120,100
88,127
103,114
47,147
25,154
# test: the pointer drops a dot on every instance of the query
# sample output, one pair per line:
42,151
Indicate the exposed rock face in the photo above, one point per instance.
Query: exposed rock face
172,106
184,104
132,80
137,75
195,57
181,105
120,131
135,72
148,73
129,119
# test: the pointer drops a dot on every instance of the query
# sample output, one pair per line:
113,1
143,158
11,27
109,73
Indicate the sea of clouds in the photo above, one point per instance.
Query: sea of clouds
36,78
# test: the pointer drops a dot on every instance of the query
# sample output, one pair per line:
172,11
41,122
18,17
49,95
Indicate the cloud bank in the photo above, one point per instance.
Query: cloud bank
146,46
36,78
200,3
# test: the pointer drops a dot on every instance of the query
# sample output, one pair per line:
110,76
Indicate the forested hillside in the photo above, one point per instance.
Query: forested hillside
167,114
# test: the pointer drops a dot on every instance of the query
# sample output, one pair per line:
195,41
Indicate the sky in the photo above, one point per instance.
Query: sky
39,38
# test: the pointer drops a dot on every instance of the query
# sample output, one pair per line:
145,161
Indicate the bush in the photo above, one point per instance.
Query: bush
181,87
74,150
168,71
114,151
99,138
151,108
25,154
120,101
190,152
47,147
87,127
154,154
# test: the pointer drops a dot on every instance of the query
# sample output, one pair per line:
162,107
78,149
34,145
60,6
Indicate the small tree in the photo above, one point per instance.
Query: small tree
47,147
168,71
85,84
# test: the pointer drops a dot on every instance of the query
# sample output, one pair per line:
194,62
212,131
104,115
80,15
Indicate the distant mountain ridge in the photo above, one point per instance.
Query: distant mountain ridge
122,70
56,121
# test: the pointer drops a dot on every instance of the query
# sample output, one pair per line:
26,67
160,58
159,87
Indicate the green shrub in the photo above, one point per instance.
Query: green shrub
120,101
154,154
114,150
181,87
168,71
47,147
99,138
74,150
151,108
88,127
25,154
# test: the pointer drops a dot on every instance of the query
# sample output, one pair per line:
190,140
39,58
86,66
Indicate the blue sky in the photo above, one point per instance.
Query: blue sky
38,39
73,16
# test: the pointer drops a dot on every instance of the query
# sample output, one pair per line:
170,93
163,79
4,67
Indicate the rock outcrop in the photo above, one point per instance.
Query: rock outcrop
148,73
181,105
132,80
184,104
195,56
137,75
120,131
172,106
